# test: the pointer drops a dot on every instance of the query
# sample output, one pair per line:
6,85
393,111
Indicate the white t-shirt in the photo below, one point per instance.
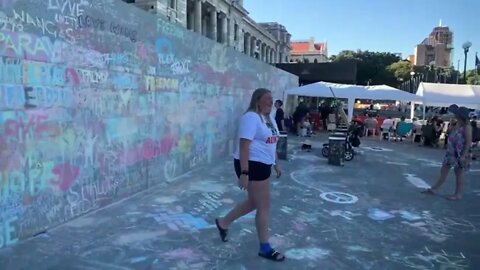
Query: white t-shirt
387,123
263,138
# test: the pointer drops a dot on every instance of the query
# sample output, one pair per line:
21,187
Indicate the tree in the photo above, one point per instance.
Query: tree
401,70
473,77
371,66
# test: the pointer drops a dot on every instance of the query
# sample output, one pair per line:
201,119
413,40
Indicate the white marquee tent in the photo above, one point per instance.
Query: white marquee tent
385,92
352,92
444,95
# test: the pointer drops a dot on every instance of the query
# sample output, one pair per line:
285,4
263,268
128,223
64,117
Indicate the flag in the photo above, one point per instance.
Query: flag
477,61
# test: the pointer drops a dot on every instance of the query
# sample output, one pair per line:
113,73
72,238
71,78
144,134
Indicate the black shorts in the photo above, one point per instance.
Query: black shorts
257,171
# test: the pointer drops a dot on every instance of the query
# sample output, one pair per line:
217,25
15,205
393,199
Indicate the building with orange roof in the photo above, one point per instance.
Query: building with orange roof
307,51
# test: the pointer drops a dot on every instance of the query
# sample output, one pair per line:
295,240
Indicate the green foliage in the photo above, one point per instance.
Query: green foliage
473,77
401,70
371,66
389,69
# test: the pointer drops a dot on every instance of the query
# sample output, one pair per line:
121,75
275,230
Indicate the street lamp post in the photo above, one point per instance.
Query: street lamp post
433,71
412,74
466,46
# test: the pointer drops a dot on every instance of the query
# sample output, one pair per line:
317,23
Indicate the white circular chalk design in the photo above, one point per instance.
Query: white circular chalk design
339,197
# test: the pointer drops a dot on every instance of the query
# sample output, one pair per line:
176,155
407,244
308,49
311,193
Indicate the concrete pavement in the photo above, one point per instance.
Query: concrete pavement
368,214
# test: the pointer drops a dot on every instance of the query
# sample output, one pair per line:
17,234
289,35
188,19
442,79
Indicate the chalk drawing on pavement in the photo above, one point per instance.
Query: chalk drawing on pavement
307,253
305,156
340,213
429,163
166,199
379,215
358,248
416,181
182,221
407,215
339,197
137,237
208,186
308,178
430,259
377,149
397,163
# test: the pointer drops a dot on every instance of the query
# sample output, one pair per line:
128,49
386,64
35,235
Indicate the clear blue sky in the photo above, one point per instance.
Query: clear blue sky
375,25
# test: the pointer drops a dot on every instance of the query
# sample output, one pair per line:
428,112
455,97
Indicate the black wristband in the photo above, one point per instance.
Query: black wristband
245,172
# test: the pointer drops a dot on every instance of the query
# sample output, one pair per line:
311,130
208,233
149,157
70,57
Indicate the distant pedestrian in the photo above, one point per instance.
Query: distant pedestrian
458,152
299,116
253,159
279,115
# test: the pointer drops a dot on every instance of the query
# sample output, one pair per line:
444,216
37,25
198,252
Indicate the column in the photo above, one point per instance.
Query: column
260,48
224,29
181,7
253,44
213,24
241,41
258,45
264,47
231,32
275,54
198,15
269,55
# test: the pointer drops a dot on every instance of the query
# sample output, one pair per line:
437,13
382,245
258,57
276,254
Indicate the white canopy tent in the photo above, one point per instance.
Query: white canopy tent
385,92
352,92
444,95
322,89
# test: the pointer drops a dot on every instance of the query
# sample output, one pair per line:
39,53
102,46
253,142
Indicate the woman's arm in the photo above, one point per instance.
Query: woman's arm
468,139
244,154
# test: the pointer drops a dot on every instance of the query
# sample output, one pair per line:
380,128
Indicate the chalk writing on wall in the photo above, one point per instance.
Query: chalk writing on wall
93,110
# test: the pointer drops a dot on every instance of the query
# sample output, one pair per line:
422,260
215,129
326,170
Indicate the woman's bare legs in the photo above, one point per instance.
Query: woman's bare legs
238,211
441,179
458,185
259,199
259,194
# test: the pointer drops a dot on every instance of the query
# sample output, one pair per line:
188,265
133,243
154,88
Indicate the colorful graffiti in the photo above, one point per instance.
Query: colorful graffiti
93,110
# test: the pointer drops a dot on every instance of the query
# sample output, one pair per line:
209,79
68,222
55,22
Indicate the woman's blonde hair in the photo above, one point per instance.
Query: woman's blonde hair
256,96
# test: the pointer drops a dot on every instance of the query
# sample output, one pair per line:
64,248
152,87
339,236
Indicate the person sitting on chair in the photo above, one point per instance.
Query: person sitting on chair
398,129
429,134
371,124
387,127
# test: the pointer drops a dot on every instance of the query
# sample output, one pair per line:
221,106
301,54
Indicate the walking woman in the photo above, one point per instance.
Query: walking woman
253,160
458,152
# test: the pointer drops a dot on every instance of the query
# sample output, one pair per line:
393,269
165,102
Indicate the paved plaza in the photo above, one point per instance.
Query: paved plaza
369,214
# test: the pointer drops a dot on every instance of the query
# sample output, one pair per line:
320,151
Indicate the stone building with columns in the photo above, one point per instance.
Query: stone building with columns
227,22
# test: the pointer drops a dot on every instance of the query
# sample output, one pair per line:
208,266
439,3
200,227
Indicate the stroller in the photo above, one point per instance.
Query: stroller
355,131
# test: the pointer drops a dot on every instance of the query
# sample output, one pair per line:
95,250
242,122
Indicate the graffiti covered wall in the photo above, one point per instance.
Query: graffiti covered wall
100,100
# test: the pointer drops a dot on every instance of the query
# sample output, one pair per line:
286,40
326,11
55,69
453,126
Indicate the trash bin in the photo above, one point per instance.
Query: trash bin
336,153
282,146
